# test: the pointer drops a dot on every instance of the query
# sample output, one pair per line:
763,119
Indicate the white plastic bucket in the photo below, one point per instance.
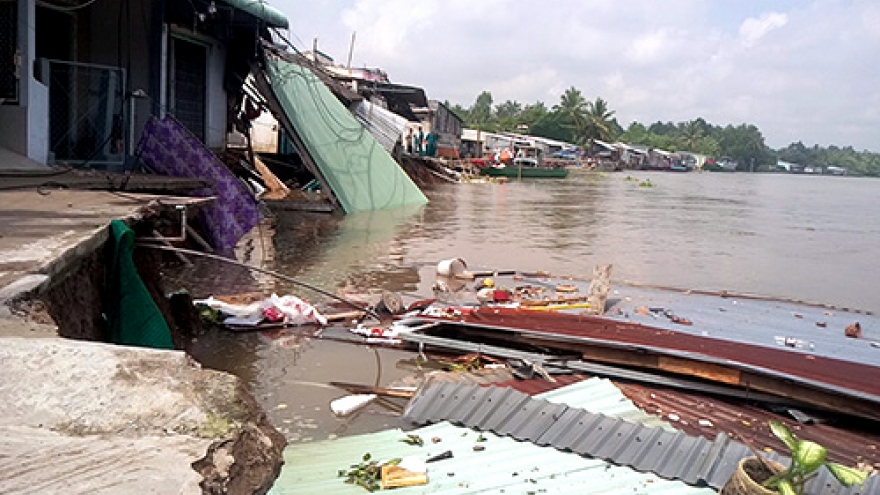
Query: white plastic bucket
453,267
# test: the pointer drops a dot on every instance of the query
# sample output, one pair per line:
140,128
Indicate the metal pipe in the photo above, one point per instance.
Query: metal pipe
147,244
183,227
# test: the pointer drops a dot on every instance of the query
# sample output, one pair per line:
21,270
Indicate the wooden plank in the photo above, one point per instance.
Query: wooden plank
812,396
357,388
709,371
346,315
649,360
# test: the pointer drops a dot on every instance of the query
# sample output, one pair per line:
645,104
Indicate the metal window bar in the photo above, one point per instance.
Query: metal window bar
87,114
9,54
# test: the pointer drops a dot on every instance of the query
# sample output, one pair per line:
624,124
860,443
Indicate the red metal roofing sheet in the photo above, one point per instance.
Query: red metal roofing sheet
848,441
844,374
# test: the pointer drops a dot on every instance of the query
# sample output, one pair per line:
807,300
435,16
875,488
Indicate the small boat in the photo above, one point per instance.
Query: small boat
527,165
526,172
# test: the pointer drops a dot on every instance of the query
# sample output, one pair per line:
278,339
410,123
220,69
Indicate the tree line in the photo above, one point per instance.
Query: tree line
577,120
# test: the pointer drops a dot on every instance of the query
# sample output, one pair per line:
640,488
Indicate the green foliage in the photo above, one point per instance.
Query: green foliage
209,315
861,163
577,120
599,122
367,474
413,440
806,459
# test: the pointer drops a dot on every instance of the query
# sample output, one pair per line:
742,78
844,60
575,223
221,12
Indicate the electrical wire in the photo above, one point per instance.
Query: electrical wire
150,245
59,8
313,85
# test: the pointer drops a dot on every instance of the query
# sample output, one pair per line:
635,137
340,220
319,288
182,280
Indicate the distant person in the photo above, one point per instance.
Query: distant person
506,156
409,142
431,147
420,142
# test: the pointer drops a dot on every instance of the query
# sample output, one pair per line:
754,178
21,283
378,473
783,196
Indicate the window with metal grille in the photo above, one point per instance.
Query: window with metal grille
8,50
189,87
86,114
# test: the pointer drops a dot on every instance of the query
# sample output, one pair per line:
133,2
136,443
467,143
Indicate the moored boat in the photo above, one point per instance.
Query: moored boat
528,164
525,172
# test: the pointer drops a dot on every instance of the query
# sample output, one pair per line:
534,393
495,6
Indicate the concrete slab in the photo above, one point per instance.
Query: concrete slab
10,160
79,417
43,230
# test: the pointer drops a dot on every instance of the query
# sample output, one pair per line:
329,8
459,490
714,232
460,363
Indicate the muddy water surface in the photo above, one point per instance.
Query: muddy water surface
802,237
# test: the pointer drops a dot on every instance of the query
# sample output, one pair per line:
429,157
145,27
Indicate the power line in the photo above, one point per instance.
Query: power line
145,243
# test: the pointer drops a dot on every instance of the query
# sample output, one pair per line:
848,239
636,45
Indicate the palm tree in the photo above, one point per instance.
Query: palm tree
573,109
599,121
690,135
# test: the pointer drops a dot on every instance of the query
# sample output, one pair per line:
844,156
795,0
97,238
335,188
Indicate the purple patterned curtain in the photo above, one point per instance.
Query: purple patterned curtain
168,148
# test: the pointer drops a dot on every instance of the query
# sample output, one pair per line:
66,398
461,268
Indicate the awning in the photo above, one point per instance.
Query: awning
401,99
272,16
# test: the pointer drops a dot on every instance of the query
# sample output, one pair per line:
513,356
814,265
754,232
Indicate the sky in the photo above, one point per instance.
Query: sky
799,70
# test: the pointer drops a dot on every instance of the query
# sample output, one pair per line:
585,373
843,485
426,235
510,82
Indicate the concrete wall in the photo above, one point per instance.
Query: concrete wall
24,126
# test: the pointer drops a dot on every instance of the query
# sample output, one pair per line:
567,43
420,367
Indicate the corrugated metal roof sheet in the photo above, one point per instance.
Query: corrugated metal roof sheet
261,10
672,455
817,380
601,395
506,465
387,127
848,441
360,173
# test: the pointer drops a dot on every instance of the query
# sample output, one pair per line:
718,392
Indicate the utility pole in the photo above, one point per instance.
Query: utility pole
351,49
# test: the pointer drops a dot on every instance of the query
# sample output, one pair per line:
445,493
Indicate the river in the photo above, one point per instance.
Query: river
810,238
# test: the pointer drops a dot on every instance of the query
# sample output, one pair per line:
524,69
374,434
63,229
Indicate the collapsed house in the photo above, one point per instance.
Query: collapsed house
116,87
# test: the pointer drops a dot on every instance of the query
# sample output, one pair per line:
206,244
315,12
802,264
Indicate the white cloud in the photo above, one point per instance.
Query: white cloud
800,72
752,30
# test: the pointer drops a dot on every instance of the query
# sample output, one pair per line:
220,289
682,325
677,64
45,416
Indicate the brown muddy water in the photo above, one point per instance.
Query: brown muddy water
801,237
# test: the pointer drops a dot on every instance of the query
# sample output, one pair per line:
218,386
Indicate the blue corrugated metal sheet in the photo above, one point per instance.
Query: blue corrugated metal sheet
670,454
506,465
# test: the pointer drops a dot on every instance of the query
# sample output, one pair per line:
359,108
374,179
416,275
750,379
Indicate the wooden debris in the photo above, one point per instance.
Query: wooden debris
600,286
357,388
853,331
396,476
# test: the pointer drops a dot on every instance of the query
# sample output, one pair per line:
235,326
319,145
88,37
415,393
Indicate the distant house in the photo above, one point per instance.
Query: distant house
693,161
632,157
785,166
438,118
78,80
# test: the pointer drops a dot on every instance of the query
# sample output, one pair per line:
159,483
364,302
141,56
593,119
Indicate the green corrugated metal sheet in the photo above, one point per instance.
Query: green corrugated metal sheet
504,466
360,173
273,17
